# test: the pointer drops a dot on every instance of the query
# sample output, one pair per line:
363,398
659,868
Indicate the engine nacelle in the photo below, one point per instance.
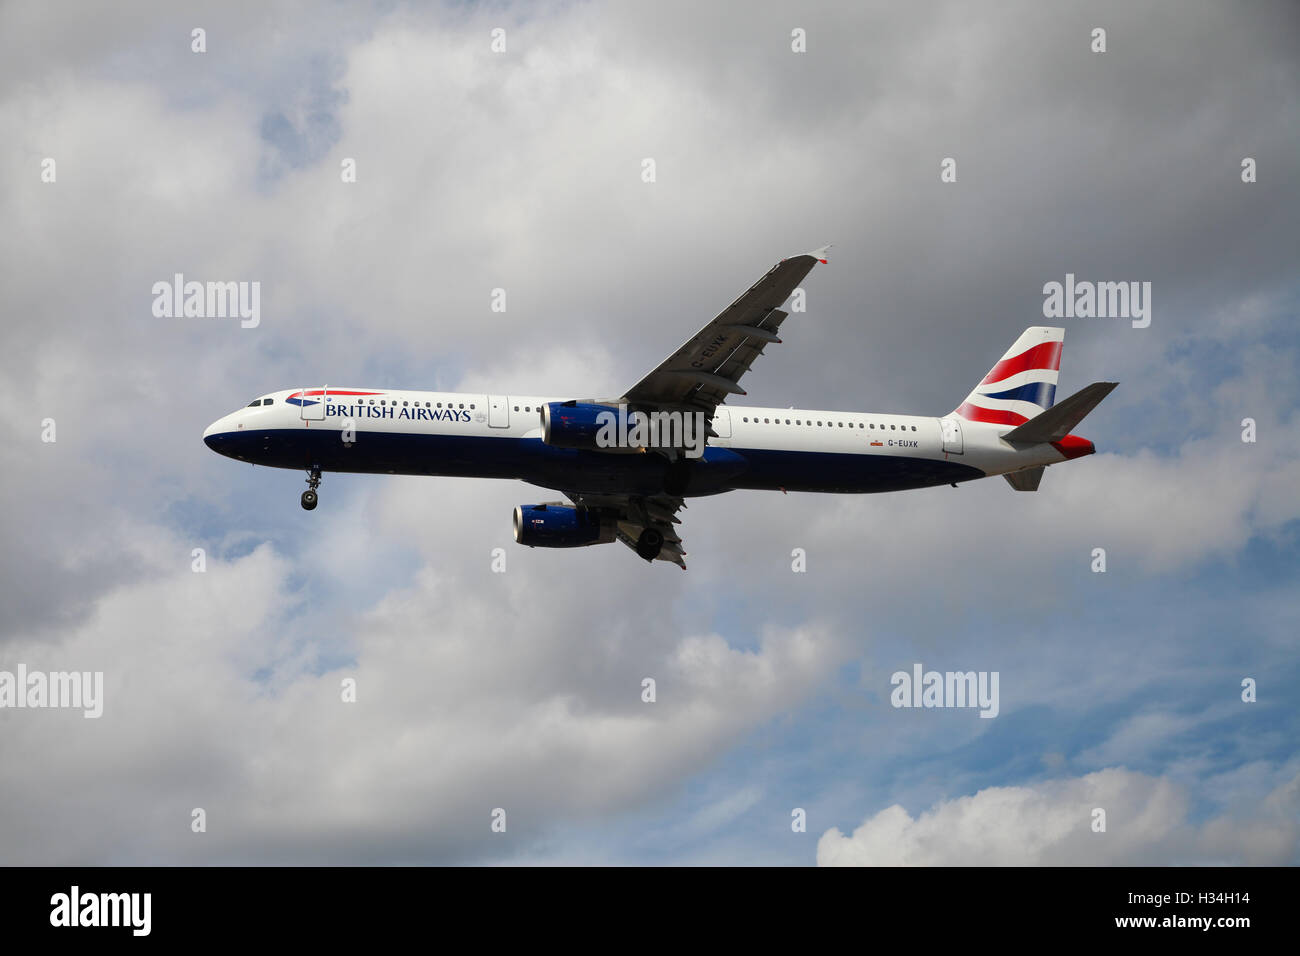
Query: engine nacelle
558,525
576,424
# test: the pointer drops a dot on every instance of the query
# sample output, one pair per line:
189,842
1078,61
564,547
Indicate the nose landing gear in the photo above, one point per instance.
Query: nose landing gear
309,498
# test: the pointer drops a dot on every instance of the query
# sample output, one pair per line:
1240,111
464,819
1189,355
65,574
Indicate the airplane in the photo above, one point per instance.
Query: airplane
633,490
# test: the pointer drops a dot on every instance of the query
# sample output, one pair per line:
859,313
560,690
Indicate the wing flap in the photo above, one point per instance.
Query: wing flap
709,366
636,513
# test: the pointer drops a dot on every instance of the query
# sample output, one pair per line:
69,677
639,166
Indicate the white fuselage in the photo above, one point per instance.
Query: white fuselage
418,432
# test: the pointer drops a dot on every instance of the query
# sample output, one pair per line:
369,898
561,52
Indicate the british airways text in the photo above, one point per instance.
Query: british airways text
389,411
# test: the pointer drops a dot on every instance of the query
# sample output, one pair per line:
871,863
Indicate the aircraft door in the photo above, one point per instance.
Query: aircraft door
722,422
952,442
498,411
311,403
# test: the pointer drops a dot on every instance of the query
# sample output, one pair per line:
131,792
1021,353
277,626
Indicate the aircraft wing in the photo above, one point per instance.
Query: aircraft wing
638,512
702,373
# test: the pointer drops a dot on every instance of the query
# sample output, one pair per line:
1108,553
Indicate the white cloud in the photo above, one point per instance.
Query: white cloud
467,700
1050,824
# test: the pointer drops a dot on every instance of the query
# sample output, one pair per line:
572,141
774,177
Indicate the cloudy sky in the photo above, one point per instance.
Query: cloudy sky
521,690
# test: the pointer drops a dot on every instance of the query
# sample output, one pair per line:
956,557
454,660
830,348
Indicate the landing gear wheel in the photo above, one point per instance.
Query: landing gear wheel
309,499
677,477
650,544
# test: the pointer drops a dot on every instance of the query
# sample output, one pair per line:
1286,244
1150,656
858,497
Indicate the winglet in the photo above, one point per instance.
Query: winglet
818,254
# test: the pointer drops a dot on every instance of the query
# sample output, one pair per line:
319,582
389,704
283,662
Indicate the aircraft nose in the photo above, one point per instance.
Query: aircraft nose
214,434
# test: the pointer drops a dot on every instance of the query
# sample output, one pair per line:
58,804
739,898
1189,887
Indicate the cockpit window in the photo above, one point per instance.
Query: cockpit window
267,401
255,404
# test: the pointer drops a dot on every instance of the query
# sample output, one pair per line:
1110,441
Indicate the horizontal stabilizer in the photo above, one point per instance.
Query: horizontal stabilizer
1055,423
1026,480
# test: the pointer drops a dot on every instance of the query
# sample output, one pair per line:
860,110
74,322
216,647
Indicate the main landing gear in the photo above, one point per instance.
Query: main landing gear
650,544
309,499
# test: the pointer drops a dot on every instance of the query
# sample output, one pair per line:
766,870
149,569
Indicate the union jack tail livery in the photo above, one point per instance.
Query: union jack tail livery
1023,383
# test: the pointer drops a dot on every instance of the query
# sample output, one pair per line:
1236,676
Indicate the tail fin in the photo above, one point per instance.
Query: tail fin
1023,383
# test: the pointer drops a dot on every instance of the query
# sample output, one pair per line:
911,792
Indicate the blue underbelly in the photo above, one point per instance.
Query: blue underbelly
531,460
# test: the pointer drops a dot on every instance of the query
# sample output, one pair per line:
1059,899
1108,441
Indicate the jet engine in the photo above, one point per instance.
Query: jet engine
576,424
559,525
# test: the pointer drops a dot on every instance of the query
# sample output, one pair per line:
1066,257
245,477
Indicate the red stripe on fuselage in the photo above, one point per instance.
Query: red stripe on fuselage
329,391
1045,356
